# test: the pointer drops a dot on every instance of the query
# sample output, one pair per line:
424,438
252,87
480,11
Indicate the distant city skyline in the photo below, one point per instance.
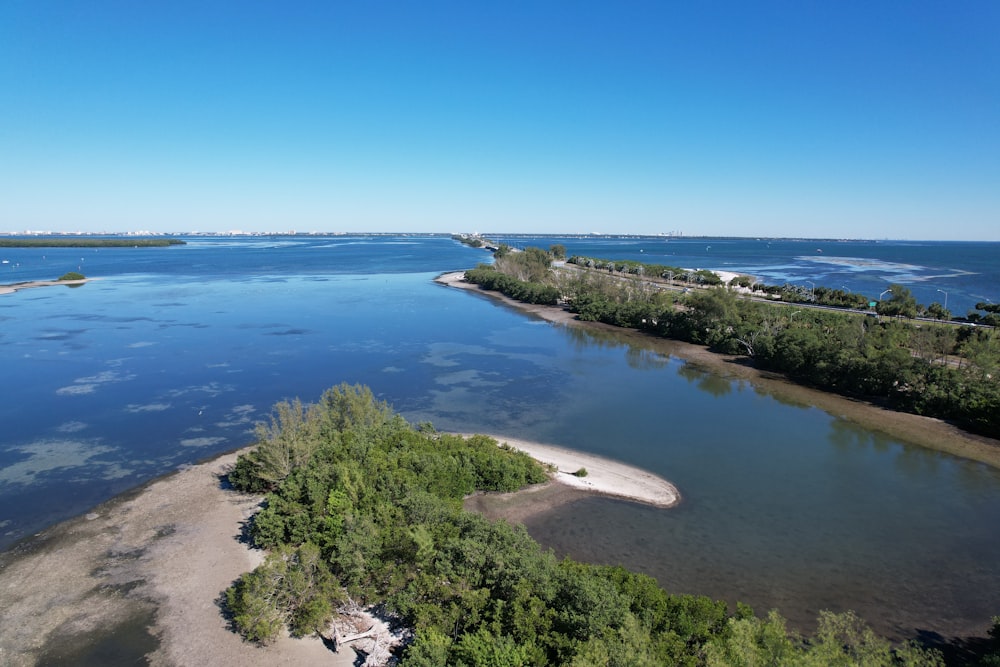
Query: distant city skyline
805,120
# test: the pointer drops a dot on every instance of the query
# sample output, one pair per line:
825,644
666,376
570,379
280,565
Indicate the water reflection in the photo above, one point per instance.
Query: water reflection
783,397
583,338
977,478
639,354
642,359
913,462
716,385
847,436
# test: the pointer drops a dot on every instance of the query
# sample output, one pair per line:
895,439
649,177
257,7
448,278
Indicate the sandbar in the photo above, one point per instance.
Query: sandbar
604,476
31,284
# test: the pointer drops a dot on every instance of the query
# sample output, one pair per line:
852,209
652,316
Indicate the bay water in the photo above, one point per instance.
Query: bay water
172,354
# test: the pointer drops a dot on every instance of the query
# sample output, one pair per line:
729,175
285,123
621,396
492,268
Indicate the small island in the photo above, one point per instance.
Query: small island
88,242
71,279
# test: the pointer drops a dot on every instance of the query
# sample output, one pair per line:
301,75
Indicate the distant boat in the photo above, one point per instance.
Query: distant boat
6,261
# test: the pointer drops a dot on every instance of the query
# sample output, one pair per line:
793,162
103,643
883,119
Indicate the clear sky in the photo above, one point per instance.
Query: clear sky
868,119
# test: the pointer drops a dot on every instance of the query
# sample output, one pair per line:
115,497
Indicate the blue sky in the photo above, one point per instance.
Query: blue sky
798,118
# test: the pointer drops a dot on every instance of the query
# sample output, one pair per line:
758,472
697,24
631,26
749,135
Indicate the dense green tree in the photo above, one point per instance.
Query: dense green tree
484,649
430,648
293,587
752,642
488,277
530,266
629,645
709,316
842,640
901,303
938,312
285,443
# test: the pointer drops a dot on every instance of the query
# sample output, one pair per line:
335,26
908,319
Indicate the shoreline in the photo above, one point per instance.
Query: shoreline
927,432
604,477
32,284
141,576
138,580
159,556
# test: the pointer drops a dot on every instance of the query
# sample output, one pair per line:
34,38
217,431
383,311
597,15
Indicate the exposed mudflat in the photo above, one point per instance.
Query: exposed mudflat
139,580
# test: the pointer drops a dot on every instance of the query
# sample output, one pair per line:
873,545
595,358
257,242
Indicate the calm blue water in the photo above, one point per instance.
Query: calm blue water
969,272
174,353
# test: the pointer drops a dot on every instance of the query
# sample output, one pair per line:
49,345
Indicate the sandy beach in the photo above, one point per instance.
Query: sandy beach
604,476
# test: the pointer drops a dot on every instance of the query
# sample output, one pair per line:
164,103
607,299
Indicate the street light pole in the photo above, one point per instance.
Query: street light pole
812,290
945,298
880,301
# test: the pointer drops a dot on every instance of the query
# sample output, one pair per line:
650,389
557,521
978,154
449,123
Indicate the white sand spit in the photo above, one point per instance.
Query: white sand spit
451,278
604,476
10,289
727,276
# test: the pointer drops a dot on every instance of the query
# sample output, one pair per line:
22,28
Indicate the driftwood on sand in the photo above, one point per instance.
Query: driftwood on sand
369,632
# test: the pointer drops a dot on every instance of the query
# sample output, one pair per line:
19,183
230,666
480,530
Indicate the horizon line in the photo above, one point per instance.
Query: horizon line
638,235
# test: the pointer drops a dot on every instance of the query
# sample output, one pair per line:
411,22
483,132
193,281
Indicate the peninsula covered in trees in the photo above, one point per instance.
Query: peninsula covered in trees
362,506
928,366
